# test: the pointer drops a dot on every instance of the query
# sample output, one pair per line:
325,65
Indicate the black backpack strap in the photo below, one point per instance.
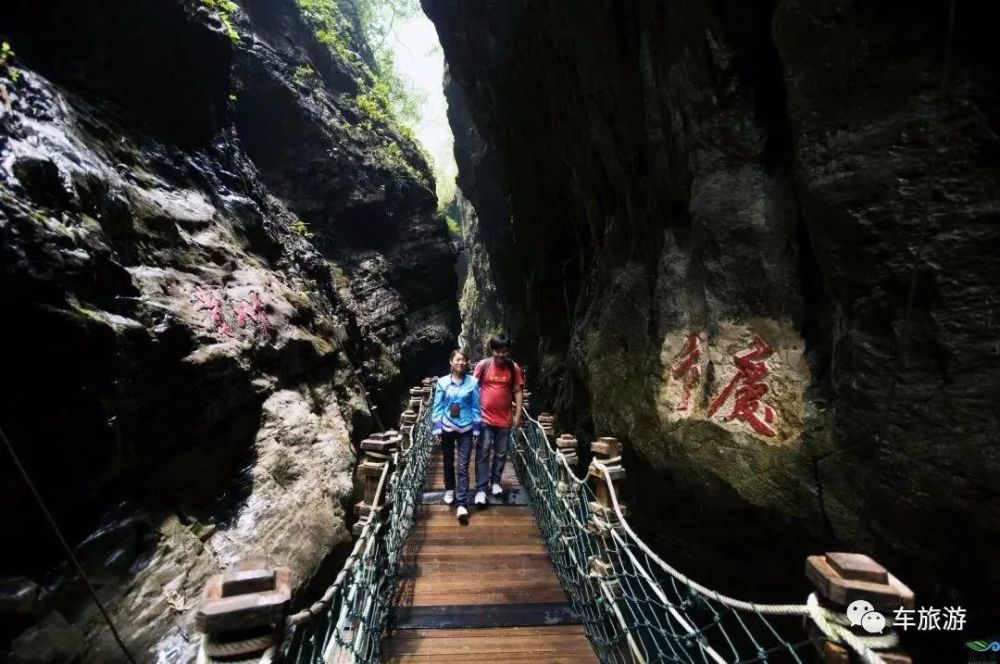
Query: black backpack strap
488,362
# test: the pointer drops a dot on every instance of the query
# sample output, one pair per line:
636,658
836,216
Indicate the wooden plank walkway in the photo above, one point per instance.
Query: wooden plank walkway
481,592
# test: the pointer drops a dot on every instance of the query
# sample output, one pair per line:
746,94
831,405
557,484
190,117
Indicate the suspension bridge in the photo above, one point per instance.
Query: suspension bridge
549,572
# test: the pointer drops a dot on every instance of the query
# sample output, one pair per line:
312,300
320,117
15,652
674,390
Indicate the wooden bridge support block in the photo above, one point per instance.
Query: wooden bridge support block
842,578
406,423
606,448
548,423
607,451
251,594
370,473
427,387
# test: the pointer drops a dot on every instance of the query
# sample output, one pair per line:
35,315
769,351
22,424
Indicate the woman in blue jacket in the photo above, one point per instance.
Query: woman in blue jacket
456,421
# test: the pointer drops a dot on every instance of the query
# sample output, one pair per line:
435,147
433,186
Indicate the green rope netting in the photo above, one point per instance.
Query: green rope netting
350,627
633,610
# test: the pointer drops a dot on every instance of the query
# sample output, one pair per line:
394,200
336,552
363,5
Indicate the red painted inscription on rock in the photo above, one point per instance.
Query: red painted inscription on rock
748,388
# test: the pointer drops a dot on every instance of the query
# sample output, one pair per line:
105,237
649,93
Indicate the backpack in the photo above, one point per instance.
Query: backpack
488,362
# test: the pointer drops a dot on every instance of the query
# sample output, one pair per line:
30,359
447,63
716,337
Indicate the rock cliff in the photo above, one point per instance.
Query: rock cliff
755,241
218,267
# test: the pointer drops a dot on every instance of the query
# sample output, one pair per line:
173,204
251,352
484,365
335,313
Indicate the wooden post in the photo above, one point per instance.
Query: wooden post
548,421
566,448
607,451
428,387
243,609
842,578
406,422
378,450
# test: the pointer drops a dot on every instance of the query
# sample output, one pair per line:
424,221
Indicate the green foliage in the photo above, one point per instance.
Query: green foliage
7,54
385,97
328,25
393,158
232,99
454,228
303,73
302,228
224,9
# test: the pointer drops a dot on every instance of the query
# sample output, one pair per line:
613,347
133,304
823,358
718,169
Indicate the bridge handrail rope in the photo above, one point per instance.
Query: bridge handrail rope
624,564
347,623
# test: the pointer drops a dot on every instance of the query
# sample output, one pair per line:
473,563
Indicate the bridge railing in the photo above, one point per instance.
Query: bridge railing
347,623
634,606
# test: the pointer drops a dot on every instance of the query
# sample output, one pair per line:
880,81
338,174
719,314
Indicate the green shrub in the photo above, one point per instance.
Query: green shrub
224,9
302,74
302,228
328,25
6,55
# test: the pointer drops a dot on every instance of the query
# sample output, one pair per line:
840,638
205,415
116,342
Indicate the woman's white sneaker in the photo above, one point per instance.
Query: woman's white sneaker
480,498
449,497
462,513
497,489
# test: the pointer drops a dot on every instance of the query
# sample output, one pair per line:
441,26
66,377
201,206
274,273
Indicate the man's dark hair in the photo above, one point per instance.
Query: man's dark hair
499,341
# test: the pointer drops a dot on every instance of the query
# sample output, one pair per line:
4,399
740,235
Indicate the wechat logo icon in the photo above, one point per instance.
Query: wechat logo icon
863,614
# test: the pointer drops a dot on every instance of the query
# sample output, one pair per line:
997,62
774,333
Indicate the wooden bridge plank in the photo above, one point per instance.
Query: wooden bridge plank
483,578
435,474
503,569
489,632
570,657
509,644
498,644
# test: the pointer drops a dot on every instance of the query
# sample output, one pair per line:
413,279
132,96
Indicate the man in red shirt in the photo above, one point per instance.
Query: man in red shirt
501,381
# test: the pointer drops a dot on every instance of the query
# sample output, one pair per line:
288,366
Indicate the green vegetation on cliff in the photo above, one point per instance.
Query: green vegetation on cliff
224,10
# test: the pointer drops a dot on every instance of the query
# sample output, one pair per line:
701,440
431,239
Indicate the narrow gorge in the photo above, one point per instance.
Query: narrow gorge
754,240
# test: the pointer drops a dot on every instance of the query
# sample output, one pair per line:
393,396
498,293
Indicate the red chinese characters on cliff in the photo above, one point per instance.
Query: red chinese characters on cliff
749,387
253,310
206,300
686,369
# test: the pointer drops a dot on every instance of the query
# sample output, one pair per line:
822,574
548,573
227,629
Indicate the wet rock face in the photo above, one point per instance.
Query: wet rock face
147,56
716,215
196,336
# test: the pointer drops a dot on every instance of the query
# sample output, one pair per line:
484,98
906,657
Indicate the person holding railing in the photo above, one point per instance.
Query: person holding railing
455,423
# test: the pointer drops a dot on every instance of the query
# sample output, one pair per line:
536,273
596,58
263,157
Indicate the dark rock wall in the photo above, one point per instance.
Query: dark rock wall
714,214
485,289
215,273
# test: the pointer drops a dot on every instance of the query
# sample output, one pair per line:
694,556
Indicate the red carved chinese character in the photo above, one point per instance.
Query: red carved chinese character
243,311
252,310
748,381
261,318
687,368
208,301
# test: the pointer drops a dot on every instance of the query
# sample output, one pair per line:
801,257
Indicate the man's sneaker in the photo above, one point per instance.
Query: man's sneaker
497,489
449,497
462,513
480,498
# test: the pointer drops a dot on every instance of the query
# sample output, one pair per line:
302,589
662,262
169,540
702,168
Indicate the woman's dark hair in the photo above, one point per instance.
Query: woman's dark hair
499,341
458,351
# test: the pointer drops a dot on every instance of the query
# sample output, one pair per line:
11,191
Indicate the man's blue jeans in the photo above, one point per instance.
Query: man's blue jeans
495,439
448,445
